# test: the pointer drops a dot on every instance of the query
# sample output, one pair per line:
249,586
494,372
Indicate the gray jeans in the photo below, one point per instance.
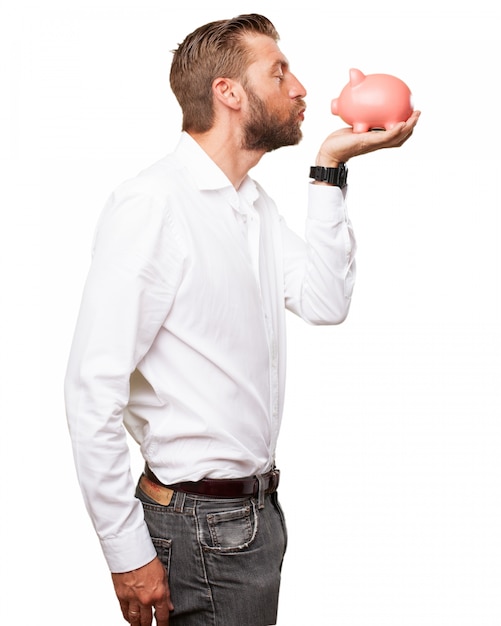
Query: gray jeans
223,557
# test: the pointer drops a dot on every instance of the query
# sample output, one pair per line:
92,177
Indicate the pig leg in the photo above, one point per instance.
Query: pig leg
360,127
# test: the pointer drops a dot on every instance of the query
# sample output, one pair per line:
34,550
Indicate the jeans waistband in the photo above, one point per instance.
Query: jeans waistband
253,486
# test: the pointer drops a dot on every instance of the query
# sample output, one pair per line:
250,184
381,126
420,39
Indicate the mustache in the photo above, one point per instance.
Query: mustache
300,104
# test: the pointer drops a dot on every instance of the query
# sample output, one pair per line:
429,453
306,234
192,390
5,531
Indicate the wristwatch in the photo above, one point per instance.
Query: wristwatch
337,176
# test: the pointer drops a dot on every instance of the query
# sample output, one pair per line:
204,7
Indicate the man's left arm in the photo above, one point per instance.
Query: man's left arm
320,274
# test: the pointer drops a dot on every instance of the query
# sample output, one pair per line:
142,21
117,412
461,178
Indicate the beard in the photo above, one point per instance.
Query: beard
265,130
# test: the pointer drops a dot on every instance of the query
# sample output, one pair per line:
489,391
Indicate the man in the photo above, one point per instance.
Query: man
181,337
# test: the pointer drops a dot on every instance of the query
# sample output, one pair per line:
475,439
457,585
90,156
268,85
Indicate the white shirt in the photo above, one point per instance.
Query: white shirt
181,332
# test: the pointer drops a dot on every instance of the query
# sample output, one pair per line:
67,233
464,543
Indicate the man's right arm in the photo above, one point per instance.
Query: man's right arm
128,293
142,590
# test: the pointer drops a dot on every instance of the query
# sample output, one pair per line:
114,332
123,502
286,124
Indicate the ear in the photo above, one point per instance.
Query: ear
228,92
356,77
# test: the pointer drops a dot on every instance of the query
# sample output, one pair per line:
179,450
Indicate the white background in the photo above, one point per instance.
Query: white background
390,449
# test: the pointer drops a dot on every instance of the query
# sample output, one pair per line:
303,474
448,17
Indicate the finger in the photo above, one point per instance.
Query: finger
162,611
396,136
134,615
124,606
146,616
412,121
404,129
140,616
415,116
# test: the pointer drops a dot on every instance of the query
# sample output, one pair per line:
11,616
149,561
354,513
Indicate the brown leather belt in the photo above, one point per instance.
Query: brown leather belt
224,487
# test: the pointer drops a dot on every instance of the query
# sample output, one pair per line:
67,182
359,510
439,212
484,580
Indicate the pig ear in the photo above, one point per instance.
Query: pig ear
356,77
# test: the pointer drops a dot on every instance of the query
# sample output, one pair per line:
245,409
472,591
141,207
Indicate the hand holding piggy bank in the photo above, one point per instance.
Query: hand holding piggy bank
373,101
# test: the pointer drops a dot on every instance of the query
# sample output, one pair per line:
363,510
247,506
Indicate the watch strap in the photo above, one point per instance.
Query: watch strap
337,176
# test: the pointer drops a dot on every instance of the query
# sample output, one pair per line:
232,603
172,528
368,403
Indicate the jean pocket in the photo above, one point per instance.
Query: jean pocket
164,549
232,530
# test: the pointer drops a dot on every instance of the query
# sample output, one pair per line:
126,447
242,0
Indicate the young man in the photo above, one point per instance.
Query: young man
181,337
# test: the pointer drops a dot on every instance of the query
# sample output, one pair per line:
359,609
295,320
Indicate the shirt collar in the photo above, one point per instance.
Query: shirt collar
209,176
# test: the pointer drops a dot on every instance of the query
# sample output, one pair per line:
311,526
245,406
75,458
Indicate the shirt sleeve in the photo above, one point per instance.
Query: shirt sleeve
135,270
319,271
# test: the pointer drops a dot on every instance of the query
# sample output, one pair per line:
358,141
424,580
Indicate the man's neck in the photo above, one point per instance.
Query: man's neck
225,149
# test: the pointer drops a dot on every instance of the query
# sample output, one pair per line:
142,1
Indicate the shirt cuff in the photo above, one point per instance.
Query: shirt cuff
327,203
129,551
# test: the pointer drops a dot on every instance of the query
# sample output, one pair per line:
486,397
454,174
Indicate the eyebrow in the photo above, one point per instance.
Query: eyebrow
281,64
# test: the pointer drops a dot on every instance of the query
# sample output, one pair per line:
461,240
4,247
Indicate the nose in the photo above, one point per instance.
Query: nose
296,90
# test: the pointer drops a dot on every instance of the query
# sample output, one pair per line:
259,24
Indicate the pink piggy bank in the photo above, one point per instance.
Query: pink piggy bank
373,101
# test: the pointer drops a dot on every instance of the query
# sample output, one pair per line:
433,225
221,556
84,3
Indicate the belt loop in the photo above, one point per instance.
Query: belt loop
179,501
261,490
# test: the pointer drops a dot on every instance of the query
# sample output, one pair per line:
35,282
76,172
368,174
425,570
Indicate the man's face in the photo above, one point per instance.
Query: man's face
275,99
